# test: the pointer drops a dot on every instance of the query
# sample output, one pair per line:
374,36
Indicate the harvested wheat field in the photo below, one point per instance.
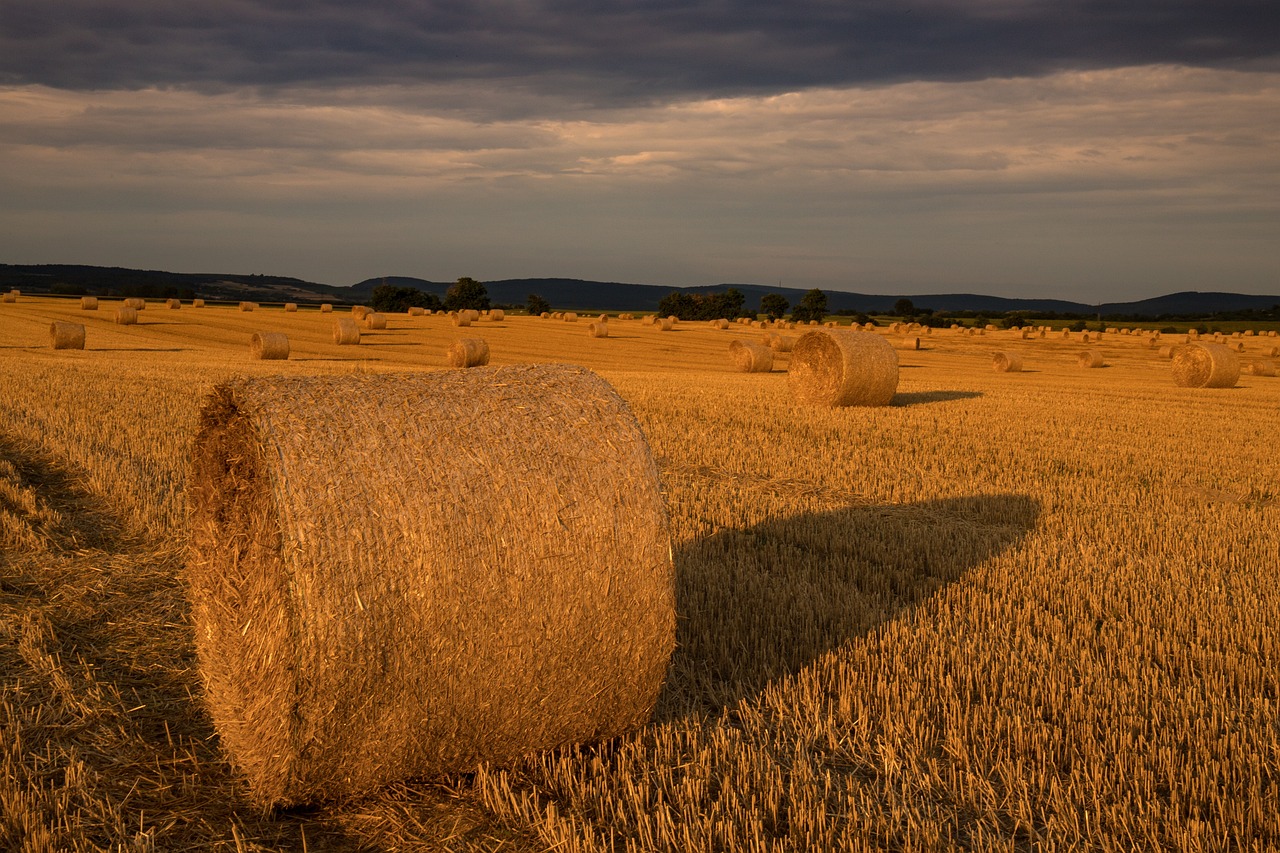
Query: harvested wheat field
990,615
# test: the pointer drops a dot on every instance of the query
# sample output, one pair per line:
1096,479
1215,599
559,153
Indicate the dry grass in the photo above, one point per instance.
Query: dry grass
924,626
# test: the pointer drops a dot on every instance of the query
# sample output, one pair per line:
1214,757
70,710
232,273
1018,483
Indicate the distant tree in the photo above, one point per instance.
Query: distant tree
904,308
813,306
396,300
702,306
536,305
1078,326
466,293
774,305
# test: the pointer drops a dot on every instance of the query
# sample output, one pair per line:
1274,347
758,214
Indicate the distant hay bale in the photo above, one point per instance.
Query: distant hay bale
1086,338
989,328
598,330
197,303
269,346
468,352
782,343
472,313
126,316
1089,358
461,318
173,304
497,315
359,312
530,608
1166,352
545,315
571,317
416,310
291,307
346,331
8,297
720,324
1007,362
88,303
136,303
911,343
666,324
248,306
1265,367
834,367
1272,352
326,307
747,357
66,335
374,320
1206,366
1238,346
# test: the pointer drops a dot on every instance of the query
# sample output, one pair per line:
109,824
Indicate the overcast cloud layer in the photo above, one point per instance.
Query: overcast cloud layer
1082,150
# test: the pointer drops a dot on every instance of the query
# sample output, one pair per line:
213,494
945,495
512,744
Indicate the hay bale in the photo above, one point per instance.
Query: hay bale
782,343
346,331
326,307
8,297
571,317
1089,358
291,308
1206,365
497,315
720,324
269,346
88,303
532,608
911,343
666,324
374,320
598,330
460,318
1007,362
197,303
648,320
416,311
136,303
126,316
173,304
1166,352
1265,367
66,335
834,367
747,357
545,315
248,306
359,312
1272,352
468,352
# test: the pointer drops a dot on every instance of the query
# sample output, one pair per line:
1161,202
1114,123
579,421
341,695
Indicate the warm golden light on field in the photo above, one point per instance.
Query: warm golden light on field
1010,610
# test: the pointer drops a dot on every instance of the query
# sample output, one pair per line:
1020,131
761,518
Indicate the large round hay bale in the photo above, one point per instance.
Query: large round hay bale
416,311
497,315
486,612
359,312
468,352
126,316
1263,367
326,307
66,335
291,307
665,324
598,330
346,331
1206,366
1090,358
747,357
269,346
460,318
197,303
1007,362
173,304
374,320
836,367
88,303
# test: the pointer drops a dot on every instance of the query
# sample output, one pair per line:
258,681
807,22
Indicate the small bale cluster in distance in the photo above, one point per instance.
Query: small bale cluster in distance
126,316
346,331
374,320
1007,362
66,335
291,308
88,303
748,357
561,634
598,329
468,352
1206,365
1090,358
836,367
269,346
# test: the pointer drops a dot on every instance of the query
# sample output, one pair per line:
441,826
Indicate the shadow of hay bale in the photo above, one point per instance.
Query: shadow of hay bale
916,398
758,604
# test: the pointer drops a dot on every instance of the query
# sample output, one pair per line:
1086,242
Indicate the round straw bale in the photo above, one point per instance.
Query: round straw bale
720,324
473,314
571,317
673,318
173,304
747,357
66,335
88,303
346,331
1007,362
598,329
136,303
126,316
248,306
1264,367
531,609
1206,366
291,307
545,315
1166,352
269,346
1272,352
1089,358
359,312
835,367
461,318
782,343
416,311
497,315
374,320
666,324
468,352
8,297
912,343
197,303
326,307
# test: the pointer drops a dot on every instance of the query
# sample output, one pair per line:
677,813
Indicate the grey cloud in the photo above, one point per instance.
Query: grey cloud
600,54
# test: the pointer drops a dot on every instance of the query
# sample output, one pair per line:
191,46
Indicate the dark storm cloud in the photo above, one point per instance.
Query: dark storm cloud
616,52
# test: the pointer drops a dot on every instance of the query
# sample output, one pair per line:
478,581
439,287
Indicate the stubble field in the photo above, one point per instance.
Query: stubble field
1015,611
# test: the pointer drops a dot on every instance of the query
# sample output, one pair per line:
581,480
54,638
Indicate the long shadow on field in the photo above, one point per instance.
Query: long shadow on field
757,604
916,398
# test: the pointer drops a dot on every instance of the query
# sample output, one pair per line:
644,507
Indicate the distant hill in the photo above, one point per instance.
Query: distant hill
572,293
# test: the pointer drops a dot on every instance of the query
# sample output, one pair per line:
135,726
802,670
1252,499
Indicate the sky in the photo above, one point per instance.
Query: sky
1095,151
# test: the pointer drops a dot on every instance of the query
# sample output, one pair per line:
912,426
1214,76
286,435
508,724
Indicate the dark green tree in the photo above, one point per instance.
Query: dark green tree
466,293
388,298
813,306
702,306
536,305
904,308
774,305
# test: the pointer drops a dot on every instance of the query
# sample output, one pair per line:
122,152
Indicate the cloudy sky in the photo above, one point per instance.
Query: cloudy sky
1098,150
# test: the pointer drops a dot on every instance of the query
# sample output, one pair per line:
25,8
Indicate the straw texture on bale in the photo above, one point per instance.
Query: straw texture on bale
530,609
599,329
747,357
782,343
88,303
359,312
269,346
1265,367
291,307
1206,366
197,303
374,320
346,331
66,335
1089,358
326,307
460,319
666,324
468,352
248,306
136,303
173,304
1007,362
1166,352
126,316
911,343
836,367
